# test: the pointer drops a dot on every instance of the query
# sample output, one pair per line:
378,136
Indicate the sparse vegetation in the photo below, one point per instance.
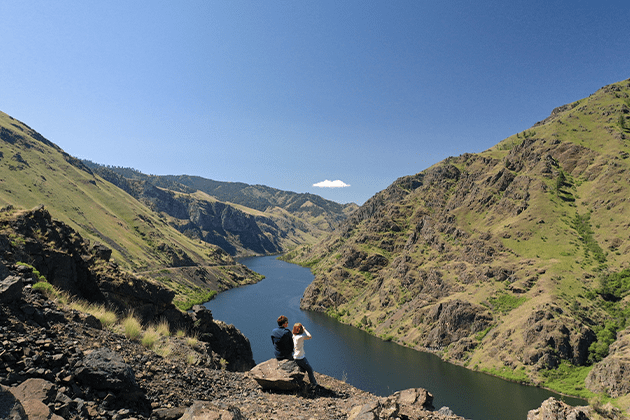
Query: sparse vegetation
582,225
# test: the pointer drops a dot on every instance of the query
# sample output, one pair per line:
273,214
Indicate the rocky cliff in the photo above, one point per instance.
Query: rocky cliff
501,260
242,219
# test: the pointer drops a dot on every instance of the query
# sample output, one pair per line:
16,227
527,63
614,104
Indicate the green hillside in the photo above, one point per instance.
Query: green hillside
242,219
34,172
513,261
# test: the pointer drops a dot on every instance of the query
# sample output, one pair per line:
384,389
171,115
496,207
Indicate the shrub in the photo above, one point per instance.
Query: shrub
192,341
132,327
506,302
108,318
164,329
46,288
150,337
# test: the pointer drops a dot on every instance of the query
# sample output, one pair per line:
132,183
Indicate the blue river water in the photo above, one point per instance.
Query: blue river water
364,361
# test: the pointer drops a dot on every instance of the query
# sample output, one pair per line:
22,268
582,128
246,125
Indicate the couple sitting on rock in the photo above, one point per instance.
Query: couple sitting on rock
290,345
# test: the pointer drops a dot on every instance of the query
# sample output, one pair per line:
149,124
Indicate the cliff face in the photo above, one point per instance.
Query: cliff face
494,260
242,219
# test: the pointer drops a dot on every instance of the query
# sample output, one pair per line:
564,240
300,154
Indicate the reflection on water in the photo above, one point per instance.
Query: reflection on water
367,362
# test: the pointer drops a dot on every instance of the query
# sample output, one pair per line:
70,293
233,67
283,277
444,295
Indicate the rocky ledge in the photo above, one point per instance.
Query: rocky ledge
61,364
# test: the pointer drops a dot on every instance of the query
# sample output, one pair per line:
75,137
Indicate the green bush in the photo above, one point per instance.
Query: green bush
46,288
505,302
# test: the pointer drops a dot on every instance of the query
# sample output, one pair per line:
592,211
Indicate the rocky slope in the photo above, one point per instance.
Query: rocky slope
242,219
502,261
35,172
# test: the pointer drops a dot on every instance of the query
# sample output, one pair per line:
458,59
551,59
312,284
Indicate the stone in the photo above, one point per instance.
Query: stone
11,289
34,388
104,369
367,411
203,410
278,375
168,413
10,407
552,409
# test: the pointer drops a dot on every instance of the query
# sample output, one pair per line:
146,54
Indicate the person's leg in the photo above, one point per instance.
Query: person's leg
304,364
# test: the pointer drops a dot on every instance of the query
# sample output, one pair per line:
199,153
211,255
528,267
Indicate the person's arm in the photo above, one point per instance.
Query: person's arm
307,335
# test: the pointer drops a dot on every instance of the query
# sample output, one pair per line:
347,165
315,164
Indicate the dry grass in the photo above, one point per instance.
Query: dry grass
132,328
150,337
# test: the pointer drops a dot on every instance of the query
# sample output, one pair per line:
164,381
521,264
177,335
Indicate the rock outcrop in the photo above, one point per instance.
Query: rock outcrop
612,375
552,409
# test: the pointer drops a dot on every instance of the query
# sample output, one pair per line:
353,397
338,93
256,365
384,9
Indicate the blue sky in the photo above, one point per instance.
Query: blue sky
293,93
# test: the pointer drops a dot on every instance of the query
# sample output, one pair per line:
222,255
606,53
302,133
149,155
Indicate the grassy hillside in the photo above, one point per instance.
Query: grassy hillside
501,261
34,171
240,218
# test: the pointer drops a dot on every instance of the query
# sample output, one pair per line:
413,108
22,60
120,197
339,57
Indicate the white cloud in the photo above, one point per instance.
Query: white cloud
331,184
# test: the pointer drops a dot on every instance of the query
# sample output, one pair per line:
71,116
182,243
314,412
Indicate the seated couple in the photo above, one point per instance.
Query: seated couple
289,345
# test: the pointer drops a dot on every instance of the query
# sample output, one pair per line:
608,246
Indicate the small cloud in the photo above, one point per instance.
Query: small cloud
331,184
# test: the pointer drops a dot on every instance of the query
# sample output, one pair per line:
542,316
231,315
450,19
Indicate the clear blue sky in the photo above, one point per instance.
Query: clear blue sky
292,93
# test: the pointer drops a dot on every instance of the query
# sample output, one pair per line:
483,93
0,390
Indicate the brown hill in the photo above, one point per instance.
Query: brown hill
509,261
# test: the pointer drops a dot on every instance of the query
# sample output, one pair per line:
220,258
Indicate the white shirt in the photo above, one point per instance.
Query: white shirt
298,344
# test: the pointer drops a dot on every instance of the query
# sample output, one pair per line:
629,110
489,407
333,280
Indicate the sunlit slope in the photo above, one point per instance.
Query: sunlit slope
499,260
34,171
242,219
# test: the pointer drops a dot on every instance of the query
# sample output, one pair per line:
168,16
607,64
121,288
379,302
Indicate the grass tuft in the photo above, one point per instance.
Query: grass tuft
131,327
150,337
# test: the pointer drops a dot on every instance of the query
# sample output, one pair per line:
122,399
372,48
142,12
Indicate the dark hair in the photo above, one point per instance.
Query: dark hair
282,320
298,328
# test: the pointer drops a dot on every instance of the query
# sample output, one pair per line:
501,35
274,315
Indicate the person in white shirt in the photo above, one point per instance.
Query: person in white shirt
299,335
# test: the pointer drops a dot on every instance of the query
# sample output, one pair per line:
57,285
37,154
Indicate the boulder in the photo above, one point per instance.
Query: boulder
10,407
34,388
101,252
278,375
416,397
11,289
369,411
412,403
33,395
104,369
225,339
552,409
203,410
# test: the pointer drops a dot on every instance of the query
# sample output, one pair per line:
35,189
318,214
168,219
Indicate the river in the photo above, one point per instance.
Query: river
362,360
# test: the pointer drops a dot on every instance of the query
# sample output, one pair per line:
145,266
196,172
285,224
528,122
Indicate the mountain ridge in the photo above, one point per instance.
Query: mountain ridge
242,219
35,171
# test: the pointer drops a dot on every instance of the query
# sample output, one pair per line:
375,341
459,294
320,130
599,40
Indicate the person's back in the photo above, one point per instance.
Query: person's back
282,339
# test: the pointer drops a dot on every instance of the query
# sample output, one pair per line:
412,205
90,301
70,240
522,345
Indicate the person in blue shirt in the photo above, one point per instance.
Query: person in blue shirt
282,339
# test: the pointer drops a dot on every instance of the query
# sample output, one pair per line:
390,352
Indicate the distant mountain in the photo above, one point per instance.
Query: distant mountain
514,261
240,218
35,172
